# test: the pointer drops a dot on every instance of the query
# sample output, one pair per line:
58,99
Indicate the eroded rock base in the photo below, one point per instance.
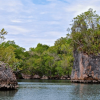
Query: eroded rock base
86,68
7,87
85,81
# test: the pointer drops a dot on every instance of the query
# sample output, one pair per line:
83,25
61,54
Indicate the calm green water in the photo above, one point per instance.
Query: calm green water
52,90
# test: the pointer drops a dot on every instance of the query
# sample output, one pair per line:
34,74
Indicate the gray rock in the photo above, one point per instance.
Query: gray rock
7,77
26,76
86,68
36,77
44,77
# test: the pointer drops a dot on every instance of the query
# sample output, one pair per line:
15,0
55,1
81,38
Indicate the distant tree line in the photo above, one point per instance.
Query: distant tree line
42,60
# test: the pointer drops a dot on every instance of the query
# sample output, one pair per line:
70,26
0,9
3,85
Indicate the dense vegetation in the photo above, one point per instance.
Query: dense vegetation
42,60
86,32
57,59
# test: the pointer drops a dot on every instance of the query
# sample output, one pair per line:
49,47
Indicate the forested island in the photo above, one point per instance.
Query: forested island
57,62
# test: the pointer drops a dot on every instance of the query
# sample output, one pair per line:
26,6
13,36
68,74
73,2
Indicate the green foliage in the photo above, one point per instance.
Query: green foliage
7,55
12,54
41,48
2,33
86,32
50,61
42,60
18,50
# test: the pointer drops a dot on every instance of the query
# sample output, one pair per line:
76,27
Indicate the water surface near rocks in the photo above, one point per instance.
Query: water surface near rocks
52,90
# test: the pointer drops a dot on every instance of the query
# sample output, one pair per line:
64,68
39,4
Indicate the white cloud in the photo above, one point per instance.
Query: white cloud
16,21
53,33
43,12
16,29
28,23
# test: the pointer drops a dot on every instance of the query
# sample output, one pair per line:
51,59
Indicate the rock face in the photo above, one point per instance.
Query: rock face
7,78
65,77
44,77
30,76
86,69
36,77
26,76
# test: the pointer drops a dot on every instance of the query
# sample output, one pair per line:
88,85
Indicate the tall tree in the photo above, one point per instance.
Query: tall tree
2,33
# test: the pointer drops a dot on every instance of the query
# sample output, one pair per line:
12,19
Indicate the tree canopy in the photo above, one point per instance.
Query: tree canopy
85,33
2,33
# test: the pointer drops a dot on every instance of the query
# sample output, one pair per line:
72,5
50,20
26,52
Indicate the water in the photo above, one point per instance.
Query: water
52,90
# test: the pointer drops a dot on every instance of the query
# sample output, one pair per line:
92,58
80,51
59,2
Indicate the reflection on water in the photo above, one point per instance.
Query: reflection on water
7,95
52,90
88,91
46,81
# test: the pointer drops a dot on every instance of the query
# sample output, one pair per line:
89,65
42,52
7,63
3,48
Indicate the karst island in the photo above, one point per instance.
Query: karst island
75,57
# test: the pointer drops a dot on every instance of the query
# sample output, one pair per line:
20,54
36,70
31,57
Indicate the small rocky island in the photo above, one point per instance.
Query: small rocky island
85,38
7,78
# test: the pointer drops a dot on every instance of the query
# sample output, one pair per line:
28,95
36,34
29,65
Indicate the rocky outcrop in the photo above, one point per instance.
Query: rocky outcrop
36,77
65,77
44,77
24,76
86,69
57,77
7,77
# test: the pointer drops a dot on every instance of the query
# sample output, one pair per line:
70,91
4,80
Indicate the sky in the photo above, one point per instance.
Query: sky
29,22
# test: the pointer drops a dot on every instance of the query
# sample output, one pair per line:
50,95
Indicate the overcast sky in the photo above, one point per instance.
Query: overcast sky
29,22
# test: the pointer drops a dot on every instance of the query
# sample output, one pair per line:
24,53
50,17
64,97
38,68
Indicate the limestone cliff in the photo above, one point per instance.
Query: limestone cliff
7,77
86,69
